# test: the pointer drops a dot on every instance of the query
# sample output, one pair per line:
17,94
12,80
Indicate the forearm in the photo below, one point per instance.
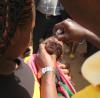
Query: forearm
48,86
93,38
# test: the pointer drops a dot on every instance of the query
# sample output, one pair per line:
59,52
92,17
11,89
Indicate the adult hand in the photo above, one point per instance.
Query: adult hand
65,69
44,59
48,84
72,31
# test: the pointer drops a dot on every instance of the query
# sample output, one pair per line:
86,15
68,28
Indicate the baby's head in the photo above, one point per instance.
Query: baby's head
53,46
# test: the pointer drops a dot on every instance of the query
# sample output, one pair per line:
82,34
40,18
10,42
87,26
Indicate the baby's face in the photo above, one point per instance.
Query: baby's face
53,46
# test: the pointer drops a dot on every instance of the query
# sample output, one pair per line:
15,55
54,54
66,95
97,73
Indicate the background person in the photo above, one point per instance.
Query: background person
48,13
17,20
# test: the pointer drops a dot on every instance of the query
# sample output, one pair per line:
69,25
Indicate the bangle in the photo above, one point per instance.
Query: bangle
45,70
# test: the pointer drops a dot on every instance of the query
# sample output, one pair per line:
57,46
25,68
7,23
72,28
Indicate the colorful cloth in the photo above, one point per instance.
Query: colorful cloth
64,86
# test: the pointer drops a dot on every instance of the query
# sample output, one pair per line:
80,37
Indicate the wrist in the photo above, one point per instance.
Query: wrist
49,78
46,70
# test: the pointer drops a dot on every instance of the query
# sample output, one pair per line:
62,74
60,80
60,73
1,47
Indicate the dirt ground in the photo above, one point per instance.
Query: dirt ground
75,64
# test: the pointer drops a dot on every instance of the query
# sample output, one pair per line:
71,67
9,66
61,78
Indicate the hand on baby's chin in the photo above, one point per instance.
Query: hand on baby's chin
53,46
44,59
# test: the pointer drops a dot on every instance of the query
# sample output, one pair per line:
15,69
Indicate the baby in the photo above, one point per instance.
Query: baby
53,47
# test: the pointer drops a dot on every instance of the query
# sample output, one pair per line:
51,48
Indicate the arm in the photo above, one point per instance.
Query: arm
75,32
93,38
48,86
85,12
48,82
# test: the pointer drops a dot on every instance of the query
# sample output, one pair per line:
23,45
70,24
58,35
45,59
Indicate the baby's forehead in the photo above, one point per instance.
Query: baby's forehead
53,39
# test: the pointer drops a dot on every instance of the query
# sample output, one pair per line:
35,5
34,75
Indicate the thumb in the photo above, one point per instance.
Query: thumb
60,37
42,48
63,37
58,27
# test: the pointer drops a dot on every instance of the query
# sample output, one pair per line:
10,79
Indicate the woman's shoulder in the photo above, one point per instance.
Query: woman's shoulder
17,85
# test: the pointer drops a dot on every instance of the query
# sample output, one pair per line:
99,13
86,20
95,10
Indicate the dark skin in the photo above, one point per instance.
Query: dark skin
64,68
19,43
20,40
75,32
44,59
48,85
87,14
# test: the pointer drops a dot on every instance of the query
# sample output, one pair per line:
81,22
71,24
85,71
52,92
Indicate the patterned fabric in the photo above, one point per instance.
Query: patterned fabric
64,86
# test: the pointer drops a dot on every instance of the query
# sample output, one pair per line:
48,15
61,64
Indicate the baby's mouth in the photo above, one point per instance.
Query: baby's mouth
54,48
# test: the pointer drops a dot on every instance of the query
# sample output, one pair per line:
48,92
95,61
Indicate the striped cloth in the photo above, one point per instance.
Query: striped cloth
64,87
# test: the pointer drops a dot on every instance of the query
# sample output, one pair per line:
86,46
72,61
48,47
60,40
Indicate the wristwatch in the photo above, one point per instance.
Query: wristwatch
44,71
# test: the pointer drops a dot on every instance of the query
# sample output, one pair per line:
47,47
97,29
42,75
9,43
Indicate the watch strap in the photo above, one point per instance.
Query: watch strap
44,70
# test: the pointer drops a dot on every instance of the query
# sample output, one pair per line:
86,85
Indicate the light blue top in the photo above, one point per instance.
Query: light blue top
50,7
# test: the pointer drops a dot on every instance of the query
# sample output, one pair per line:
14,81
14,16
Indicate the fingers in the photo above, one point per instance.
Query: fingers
42,51
60,37
41,47
69,77
59,27
65,38
65,71
62,25
63,66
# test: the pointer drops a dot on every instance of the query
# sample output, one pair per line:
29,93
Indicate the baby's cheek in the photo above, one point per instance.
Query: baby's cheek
54,48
